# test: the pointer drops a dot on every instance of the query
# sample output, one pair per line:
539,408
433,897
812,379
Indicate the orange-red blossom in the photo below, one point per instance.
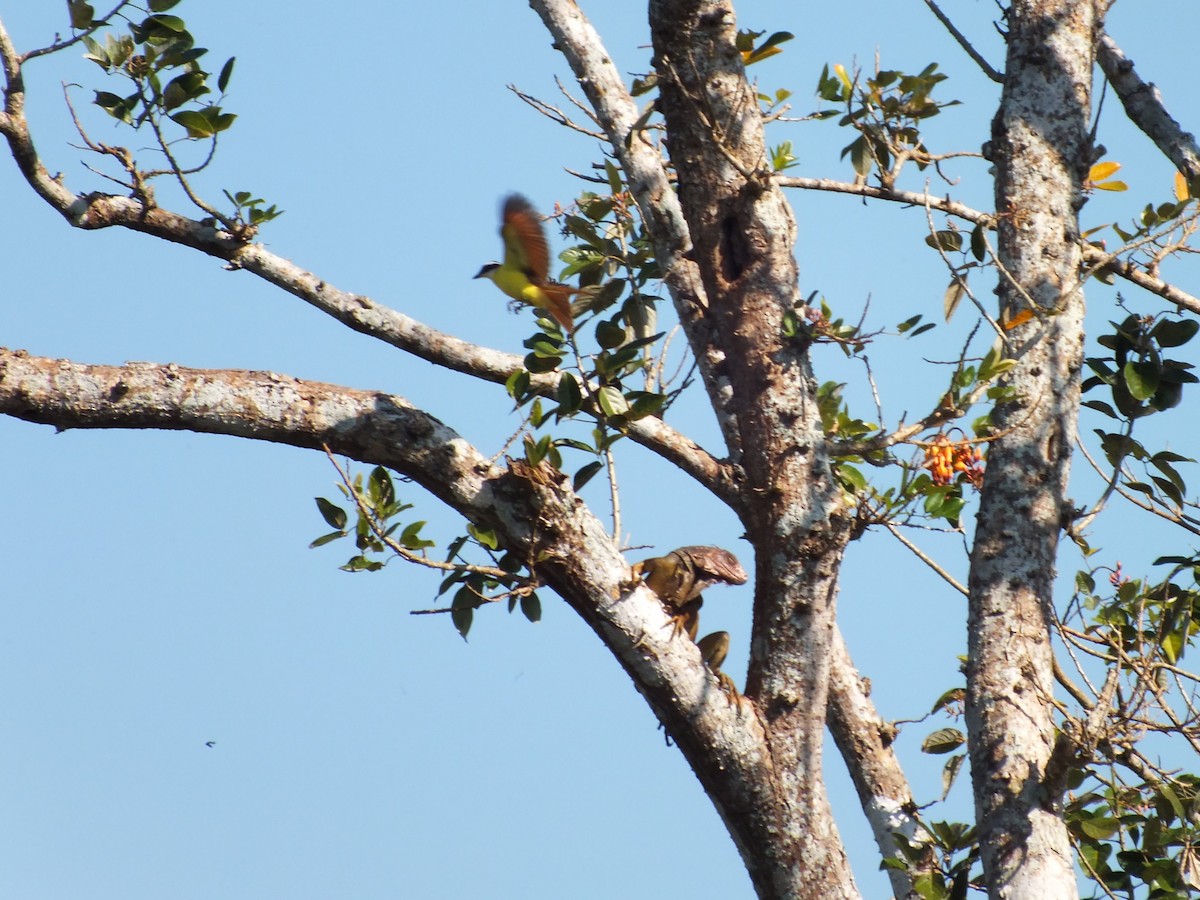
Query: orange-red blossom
946,459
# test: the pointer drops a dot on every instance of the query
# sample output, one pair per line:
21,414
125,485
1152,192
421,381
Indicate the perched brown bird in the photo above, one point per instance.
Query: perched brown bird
525,273
682,575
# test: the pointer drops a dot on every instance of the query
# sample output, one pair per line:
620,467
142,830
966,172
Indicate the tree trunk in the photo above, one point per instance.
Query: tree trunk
1041,150
743,235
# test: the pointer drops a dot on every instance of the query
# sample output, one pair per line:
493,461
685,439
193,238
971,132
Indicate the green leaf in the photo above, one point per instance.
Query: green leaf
947,240
82,14
950,772
226,72
644,403
570,399
518,383
931,886
541,364
979,242
96,53
992,365
362,564
334,516
860,157
612,401
160,24
462,617
1099,828
609,335
531,607
484,536
326,538
1174,332
1173,645
1168,793
183,88
944,740
585,474
113,105
196,124
1141,378
851,478
218,121
614,176
950,697
411,538
162,5
1100,406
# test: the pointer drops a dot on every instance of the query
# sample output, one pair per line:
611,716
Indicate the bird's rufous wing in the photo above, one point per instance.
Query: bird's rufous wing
524,241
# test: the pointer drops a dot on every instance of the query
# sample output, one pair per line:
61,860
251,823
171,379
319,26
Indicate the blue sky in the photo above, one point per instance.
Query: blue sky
159,590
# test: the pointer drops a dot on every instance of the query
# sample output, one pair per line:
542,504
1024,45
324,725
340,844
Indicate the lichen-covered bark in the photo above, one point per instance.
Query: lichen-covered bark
865,740
1041,150
743,234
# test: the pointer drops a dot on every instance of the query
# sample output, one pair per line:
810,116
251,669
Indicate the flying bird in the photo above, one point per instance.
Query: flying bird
525,273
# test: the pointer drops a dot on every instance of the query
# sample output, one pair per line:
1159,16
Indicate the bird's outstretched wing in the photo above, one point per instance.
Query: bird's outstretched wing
524,240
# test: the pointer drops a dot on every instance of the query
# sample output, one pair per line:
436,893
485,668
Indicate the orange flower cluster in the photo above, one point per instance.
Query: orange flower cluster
945,459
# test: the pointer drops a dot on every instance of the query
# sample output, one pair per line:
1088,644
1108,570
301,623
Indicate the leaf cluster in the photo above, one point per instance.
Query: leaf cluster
377,521
160,59
380,533
1137,839
1144,622
886,110
955,846
473,589
1142,379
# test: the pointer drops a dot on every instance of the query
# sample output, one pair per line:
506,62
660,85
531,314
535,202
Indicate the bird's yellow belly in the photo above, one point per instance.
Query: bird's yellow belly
516,285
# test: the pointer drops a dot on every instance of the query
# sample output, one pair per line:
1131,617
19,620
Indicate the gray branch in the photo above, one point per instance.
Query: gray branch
1145,107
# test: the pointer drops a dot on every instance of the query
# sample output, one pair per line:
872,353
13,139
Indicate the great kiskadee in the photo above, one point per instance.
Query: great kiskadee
525,273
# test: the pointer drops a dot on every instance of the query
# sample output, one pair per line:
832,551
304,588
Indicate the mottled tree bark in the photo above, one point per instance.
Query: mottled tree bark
743,234
1041,150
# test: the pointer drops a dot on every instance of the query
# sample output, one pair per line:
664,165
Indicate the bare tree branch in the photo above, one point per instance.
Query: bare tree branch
534,511
967,46
1093,256
1145,107
356,311
865,742
649,183
97,24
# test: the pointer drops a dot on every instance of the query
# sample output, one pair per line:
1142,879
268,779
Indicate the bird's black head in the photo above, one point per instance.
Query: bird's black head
487,270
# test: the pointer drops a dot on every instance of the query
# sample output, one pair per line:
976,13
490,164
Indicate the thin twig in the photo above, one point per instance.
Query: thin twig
97,24
929,561
398,549
959,279
610,465
965,44
554,114
1091,255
